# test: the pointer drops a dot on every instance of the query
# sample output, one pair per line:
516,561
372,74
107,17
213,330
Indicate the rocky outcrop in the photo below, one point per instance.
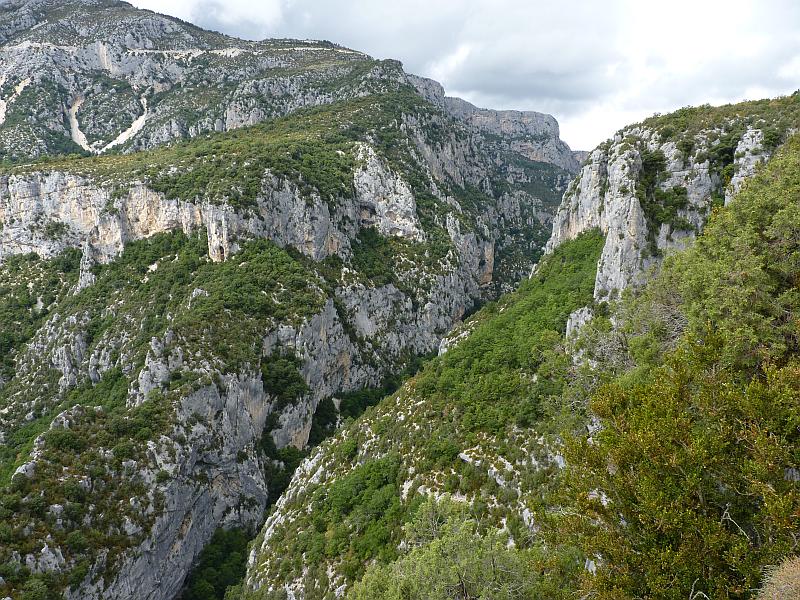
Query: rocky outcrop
534,135
610,193
749,154
47,212
384,200
530,134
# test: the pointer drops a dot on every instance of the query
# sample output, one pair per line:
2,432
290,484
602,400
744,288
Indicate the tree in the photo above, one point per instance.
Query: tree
35,589
685,486
449,560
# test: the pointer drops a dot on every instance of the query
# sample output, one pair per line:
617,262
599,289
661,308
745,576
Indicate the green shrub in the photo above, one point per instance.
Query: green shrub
446,557
282,379
221,564
684,488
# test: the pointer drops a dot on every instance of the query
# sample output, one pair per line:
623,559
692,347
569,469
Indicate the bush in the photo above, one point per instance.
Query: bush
447,558
221,564
76,541
281,376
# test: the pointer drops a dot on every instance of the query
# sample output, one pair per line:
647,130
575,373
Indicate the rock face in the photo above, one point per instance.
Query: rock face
46,213
648,196
531,134
384,200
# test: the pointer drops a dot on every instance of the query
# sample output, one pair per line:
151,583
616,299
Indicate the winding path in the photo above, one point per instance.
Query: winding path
80,138
4,104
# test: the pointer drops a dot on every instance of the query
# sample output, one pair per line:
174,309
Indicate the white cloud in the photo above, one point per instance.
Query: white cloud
595,65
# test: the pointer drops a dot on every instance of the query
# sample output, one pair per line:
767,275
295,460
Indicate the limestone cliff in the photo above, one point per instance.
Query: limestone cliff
652,186
531,134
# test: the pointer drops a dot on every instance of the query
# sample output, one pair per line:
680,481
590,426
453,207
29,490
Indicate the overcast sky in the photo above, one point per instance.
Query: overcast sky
595,65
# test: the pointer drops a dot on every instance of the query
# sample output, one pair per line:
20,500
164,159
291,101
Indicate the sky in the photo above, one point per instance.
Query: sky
596,66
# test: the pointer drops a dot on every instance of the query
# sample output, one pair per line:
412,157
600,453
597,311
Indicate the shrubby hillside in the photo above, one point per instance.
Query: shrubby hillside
652,454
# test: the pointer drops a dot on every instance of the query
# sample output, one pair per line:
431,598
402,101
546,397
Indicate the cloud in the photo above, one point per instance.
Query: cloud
595,65
235,17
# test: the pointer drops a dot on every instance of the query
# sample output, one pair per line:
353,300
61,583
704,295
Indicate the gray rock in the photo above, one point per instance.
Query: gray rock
603,196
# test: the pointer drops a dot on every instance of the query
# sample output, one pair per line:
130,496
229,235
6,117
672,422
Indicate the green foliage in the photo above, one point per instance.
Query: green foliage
743,272
170,280
282,379
358,518
694,468
684,124
659,206
448,558
355,403
36,589
476,393
258,285
738,281
323,422
221,564
110,393
72,461
278,474
26,281
487,380
371,254
689,485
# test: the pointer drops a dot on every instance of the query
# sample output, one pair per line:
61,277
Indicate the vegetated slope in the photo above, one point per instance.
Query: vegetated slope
198,311
459,426
695,463
678,425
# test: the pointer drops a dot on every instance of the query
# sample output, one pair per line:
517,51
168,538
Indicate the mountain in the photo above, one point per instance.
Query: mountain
94,76
211,252
281,289
561,400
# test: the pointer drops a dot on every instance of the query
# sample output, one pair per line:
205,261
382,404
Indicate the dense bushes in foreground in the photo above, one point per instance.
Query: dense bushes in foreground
690,485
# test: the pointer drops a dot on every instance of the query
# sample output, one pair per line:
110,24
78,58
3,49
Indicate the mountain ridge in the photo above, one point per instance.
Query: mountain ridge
127,58
286,229
225,269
